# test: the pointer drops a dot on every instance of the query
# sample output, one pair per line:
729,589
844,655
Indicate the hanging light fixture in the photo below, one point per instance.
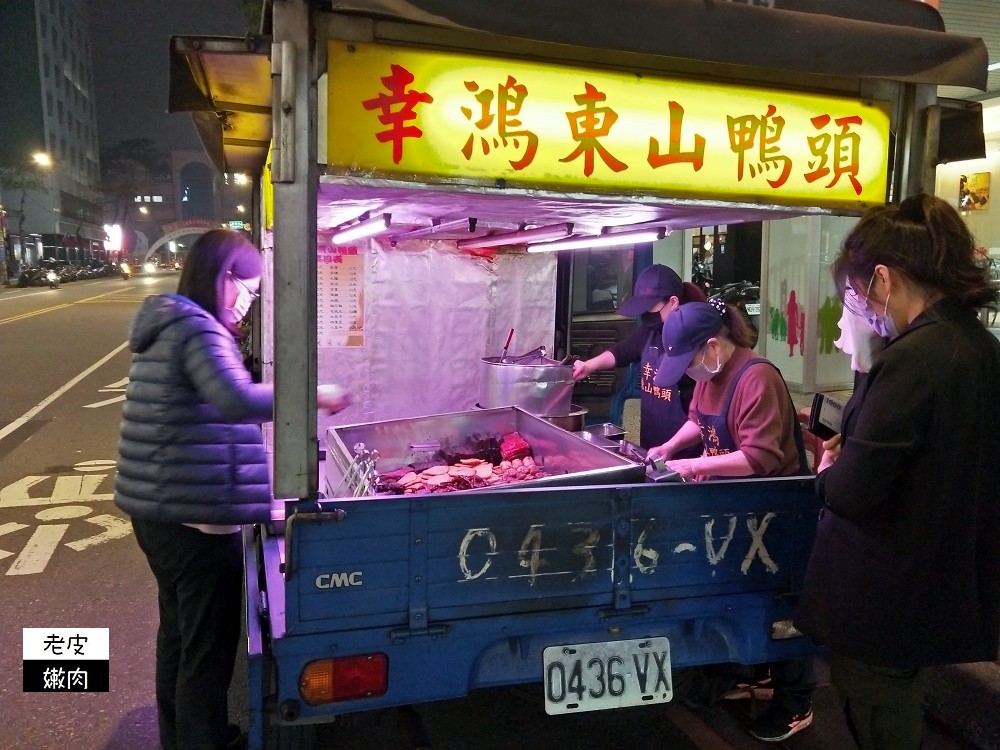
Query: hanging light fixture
521,236
436,227
365,228
610,239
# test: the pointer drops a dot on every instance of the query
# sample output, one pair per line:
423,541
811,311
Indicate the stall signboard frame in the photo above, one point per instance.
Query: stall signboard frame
431,115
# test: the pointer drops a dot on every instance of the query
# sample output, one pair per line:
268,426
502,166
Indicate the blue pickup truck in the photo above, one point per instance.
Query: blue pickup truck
597,591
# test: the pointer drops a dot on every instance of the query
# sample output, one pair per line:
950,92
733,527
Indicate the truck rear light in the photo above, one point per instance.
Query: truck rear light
783,630
345,678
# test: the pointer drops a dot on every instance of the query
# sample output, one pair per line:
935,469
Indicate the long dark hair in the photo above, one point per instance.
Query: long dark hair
212,256
924,238
691,292
736,328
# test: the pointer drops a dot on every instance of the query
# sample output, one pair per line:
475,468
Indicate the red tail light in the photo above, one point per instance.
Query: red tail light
346,678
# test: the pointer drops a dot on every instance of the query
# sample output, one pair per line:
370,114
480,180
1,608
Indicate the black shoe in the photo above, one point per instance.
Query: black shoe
778,724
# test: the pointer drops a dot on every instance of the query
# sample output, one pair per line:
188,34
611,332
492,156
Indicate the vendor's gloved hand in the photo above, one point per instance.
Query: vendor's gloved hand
659,451
332,398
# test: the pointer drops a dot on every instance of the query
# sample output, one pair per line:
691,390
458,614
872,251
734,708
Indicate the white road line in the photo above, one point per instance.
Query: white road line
36,553
20,421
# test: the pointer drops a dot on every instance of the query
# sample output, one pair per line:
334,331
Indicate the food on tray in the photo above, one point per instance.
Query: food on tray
455,469
514,446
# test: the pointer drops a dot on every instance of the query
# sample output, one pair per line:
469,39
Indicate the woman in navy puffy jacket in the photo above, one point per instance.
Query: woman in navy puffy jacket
191,468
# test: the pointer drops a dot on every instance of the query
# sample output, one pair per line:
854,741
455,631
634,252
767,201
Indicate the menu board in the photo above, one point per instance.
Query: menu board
340,300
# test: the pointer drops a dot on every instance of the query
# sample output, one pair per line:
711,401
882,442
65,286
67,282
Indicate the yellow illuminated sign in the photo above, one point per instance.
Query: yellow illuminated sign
418,114
267,191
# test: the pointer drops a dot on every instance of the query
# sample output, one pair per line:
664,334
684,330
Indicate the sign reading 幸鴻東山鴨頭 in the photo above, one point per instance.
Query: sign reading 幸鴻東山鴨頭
406,112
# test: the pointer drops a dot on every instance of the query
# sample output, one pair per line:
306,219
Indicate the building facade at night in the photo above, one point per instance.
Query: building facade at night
47,91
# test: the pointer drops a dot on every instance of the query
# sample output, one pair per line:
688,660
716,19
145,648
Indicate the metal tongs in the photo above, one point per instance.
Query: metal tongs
361,475
537,353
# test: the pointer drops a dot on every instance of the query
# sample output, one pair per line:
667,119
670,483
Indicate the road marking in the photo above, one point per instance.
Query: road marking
68,489
21,421
118,387
53,308
68,500
114,528
36,553
9,528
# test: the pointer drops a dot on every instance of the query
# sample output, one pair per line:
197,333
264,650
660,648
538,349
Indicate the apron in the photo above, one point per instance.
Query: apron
715,436
661,413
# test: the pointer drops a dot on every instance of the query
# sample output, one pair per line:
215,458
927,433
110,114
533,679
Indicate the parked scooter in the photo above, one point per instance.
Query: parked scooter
126,270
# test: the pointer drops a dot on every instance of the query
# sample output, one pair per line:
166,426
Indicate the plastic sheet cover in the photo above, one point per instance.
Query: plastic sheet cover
431,314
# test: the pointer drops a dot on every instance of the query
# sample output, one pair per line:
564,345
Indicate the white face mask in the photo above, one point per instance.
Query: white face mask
700,371
883,324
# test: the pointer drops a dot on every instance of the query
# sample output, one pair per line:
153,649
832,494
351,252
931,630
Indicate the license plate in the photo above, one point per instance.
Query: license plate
752,308
613,674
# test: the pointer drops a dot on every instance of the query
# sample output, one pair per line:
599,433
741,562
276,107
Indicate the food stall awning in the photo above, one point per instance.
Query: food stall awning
897,40
225,83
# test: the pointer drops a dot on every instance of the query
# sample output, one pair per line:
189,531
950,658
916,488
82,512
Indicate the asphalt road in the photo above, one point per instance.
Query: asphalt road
68,560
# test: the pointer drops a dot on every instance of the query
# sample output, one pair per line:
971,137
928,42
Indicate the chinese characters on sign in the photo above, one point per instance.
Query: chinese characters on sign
65,660
459,115
340,301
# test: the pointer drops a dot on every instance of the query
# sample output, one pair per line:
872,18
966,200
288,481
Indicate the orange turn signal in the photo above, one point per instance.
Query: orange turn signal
345,678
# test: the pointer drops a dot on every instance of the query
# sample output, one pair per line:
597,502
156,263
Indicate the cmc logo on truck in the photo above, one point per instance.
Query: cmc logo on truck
338,580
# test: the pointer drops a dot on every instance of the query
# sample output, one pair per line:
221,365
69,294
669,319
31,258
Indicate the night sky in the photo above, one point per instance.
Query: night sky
130,41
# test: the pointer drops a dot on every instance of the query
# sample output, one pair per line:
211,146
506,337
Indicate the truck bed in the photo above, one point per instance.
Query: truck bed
471,587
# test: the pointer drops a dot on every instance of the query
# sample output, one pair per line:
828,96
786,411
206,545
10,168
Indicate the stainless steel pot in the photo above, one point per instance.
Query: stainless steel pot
540,386
573,420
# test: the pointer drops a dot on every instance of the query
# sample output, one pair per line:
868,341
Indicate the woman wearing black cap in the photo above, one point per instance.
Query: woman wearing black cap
657,293
742,419
743,423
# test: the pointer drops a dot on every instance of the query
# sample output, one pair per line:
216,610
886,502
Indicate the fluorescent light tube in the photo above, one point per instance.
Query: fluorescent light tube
366,228
993,66
540,234
443,226
602,240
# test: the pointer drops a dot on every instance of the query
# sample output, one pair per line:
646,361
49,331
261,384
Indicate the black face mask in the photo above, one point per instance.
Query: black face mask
650,319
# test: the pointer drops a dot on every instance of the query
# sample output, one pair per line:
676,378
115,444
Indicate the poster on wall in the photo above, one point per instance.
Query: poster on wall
340,316
974,191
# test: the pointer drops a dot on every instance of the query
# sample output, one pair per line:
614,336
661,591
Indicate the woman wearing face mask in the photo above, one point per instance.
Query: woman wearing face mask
911,522
191,468
657,294
743,421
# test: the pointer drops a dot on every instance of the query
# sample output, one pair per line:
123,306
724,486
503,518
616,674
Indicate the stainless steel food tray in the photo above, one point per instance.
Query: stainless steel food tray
567,458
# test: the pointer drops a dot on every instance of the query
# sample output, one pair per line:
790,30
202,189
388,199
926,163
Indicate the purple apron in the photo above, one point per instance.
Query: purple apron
660,409
715,436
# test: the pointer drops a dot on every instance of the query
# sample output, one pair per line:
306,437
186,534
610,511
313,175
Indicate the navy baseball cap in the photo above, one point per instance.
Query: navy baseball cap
684,334
654,283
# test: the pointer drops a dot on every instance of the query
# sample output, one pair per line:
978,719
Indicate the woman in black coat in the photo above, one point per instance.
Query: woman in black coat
904,571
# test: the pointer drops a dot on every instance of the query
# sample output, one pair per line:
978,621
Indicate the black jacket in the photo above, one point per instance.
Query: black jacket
191,449
905,571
